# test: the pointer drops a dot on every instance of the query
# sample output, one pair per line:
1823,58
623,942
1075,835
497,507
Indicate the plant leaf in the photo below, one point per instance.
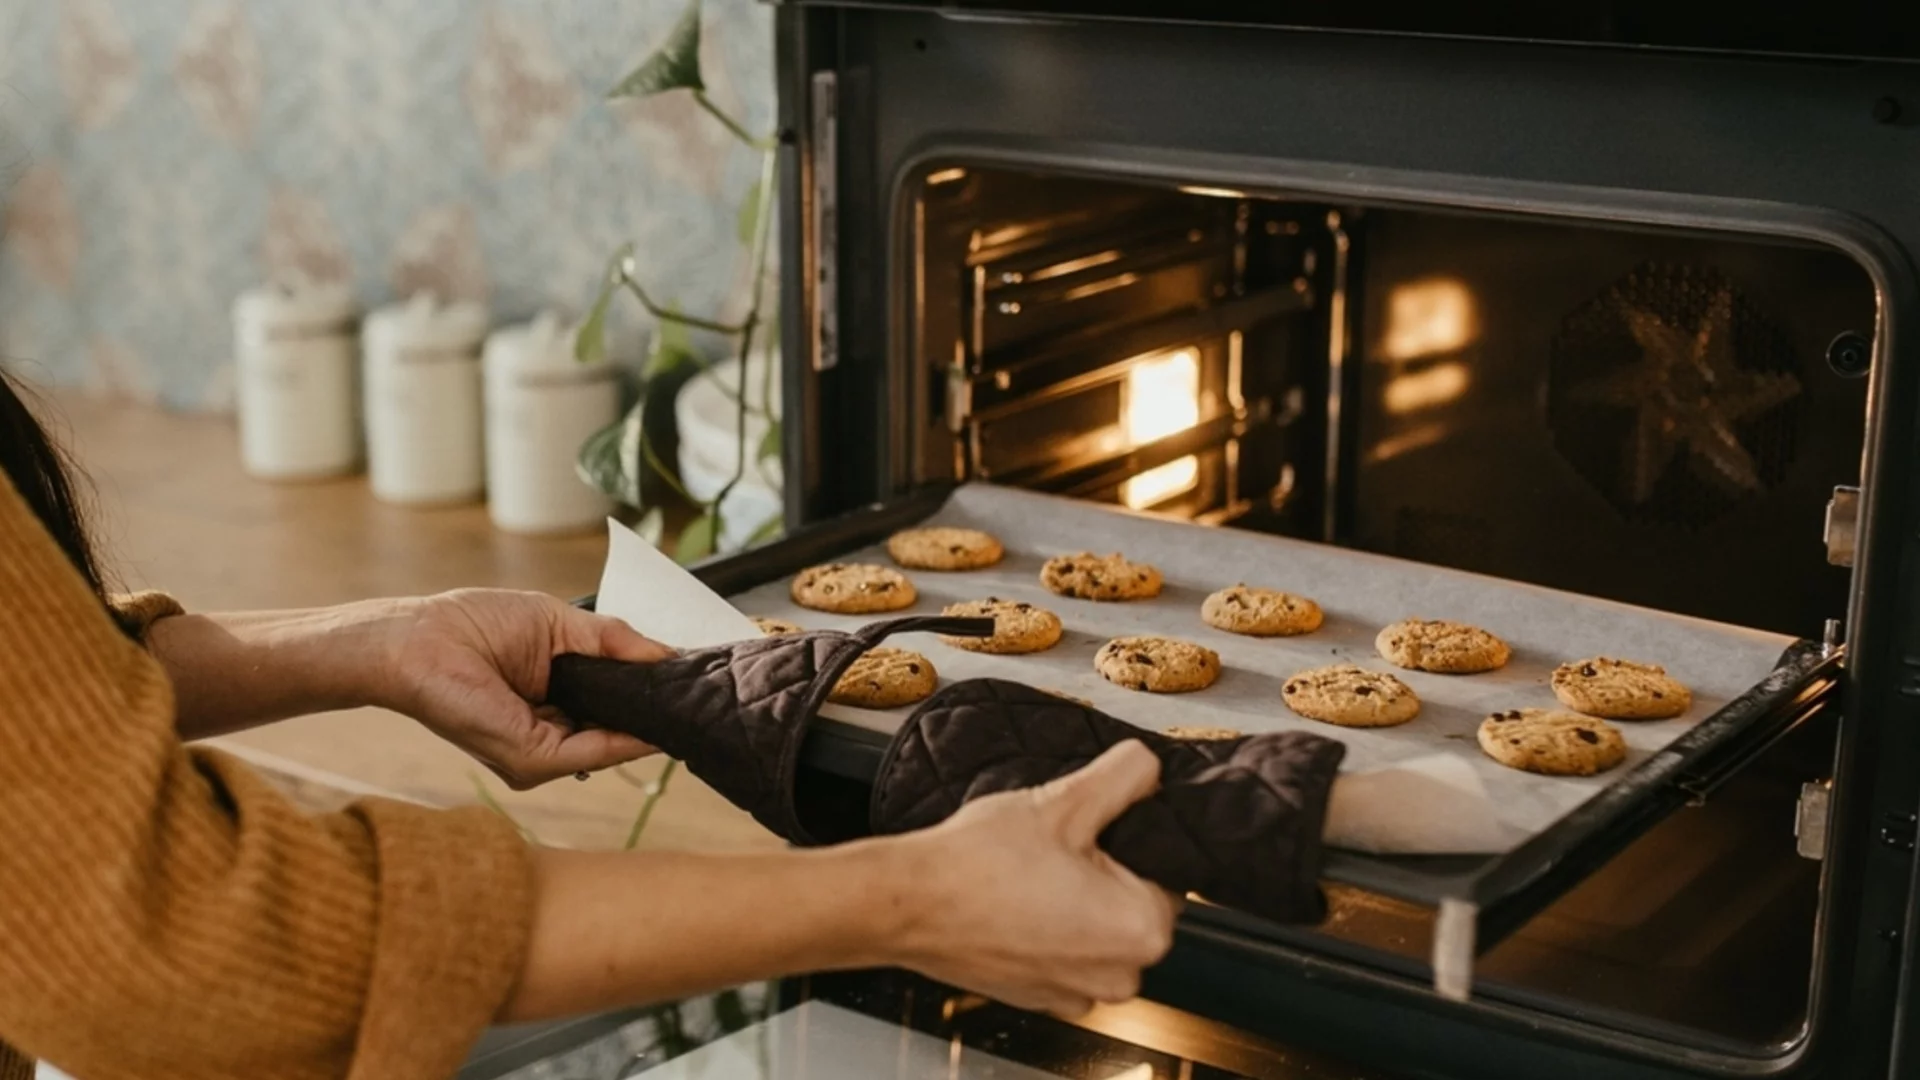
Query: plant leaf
769,443
730,1011
768,529
652,526
601,467
675,65
650,460
749,213
590,344
697,539
667,357
671,333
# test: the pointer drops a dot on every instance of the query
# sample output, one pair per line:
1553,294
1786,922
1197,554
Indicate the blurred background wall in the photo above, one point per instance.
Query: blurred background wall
160,156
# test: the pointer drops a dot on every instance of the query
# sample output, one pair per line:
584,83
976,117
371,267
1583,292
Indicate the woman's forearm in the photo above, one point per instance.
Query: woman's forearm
612,930
236,671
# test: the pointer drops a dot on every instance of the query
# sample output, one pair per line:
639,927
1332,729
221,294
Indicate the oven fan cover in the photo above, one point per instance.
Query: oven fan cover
1675,396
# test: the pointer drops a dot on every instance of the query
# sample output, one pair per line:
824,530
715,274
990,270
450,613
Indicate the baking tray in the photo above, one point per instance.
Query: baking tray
1479,898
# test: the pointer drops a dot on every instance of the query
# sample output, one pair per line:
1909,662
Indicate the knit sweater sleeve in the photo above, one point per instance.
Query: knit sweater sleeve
165,913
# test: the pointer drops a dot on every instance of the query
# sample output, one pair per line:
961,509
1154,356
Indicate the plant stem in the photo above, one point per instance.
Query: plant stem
487,800
658,312
762,242
738,129
646,808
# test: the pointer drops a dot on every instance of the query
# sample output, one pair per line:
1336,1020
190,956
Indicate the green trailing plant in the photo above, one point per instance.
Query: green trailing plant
622,459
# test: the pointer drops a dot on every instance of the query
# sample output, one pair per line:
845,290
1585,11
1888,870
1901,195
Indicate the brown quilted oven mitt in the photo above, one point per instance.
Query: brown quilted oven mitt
1237,821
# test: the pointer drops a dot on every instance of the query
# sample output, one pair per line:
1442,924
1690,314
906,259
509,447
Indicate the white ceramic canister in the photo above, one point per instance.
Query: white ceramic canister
294,354
423,402
542,404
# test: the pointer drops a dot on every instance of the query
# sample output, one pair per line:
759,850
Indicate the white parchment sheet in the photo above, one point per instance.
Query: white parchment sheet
1420,788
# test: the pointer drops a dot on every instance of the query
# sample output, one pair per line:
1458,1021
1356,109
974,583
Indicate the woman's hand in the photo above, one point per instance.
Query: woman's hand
1010,898
1019,903
472,666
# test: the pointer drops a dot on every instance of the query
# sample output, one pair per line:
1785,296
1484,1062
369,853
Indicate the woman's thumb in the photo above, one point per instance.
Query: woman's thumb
1088,800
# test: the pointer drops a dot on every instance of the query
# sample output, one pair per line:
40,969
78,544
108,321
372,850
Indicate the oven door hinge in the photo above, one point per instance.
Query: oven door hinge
1810,819
825,224
1843,512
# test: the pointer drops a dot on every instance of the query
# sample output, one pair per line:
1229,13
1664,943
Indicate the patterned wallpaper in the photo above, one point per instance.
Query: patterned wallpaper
160,156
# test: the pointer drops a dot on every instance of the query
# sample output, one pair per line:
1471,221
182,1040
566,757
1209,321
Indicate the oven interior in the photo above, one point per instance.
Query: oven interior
1657,416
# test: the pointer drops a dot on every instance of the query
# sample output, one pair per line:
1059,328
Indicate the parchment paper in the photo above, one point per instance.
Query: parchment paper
1421,788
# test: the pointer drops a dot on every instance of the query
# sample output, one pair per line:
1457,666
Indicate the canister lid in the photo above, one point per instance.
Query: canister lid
544,344
425,322
294,306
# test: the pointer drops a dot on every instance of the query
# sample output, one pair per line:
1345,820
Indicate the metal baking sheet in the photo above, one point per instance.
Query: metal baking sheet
1360,593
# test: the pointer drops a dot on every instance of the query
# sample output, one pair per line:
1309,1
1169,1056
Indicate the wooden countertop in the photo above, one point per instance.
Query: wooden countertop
178,513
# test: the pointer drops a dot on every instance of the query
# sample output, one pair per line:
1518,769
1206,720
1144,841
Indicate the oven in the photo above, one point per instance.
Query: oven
1607,301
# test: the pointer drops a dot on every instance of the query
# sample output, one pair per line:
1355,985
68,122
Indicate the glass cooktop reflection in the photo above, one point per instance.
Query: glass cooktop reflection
881,1025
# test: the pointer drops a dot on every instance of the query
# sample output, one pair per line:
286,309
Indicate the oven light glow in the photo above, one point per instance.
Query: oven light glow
1162,399
1213,192
1423,389
945,176
1429,318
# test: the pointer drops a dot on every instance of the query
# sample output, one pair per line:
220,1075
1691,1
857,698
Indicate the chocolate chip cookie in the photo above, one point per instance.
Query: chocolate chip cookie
775,627
1552,742
1241,609
1157,665
1350,696
1441,645
1087,576
945,549
853,589
1620,689
884,678
1018,627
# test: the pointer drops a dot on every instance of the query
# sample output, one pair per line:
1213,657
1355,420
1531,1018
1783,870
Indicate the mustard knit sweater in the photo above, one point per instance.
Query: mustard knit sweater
165,913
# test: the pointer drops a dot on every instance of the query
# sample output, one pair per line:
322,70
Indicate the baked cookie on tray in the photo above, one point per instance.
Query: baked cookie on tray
1350,696
1552,742
885,678
945,548
1086,576
1018,627
1620,689
1441,645
1242,609
773,627
1157,665
853,589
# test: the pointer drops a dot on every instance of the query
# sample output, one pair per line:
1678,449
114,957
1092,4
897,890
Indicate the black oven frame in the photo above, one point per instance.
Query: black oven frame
1806,149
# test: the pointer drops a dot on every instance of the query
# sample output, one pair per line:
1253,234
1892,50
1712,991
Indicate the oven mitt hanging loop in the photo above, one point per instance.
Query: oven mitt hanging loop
1237,821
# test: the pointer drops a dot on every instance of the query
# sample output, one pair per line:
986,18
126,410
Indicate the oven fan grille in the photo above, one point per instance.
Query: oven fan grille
1675,396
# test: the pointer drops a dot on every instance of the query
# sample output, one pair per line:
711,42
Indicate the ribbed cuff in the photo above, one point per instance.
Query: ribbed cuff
452,936
136,612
